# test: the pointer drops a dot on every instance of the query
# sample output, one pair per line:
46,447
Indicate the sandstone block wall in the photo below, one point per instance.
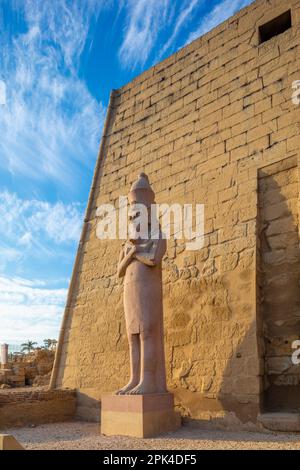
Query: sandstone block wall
28,407
202,124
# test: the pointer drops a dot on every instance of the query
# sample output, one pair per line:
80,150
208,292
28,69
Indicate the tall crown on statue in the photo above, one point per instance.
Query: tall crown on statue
141,191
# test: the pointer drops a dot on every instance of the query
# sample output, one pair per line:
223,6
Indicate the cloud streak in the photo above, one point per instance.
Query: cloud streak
37,233
221,12
145,20
29,310
25,221
50,125
149,20
184,16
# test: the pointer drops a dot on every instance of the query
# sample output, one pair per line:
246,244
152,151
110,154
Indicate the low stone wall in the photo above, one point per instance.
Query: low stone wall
25,407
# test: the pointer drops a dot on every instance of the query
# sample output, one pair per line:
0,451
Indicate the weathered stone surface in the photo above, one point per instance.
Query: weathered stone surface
202,125
285,422
23,407
28,369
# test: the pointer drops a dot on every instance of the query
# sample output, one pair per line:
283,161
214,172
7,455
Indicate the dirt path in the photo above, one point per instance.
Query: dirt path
85,436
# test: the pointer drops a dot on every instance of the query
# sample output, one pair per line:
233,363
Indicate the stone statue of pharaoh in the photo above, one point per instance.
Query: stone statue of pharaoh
140,263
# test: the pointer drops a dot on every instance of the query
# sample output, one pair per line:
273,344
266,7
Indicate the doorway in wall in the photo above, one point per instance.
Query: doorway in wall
279,283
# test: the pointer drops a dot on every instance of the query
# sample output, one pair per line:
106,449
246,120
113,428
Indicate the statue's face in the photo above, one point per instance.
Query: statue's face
139,219
133,212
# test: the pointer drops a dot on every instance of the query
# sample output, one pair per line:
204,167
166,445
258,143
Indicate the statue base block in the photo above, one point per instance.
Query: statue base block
138,415
8,442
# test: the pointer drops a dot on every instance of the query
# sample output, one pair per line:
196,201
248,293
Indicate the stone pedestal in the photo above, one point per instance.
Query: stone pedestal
138,415
8,442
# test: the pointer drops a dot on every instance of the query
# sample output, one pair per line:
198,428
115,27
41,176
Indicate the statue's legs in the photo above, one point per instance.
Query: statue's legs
147,382
135,363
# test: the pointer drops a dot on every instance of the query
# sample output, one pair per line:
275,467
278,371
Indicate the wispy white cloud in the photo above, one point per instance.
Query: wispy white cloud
67,25
37,232
49,130
183,17
50,125
221,12
148,21
8,254
145,19
2,93
26,221
29,310
30,292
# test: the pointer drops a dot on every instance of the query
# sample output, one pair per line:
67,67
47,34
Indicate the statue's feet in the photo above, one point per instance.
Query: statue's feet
142,388
125,390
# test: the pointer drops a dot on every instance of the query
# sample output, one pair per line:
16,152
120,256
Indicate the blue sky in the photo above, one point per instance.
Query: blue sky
59,59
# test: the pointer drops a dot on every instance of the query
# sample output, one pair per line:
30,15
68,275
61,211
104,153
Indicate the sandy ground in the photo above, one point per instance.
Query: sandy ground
85,436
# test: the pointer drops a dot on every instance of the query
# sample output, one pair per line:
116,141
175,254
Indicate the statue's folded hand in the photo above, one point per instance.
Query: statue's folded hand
145,258
132,250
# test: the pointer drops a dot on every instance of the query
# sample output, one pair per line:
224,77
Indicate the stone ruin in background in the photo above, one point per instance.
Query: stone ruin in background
20,370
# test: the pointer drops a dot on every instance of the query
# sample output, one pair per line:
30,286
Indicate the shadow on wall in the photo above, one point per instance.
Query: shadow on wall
279,283
88,408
